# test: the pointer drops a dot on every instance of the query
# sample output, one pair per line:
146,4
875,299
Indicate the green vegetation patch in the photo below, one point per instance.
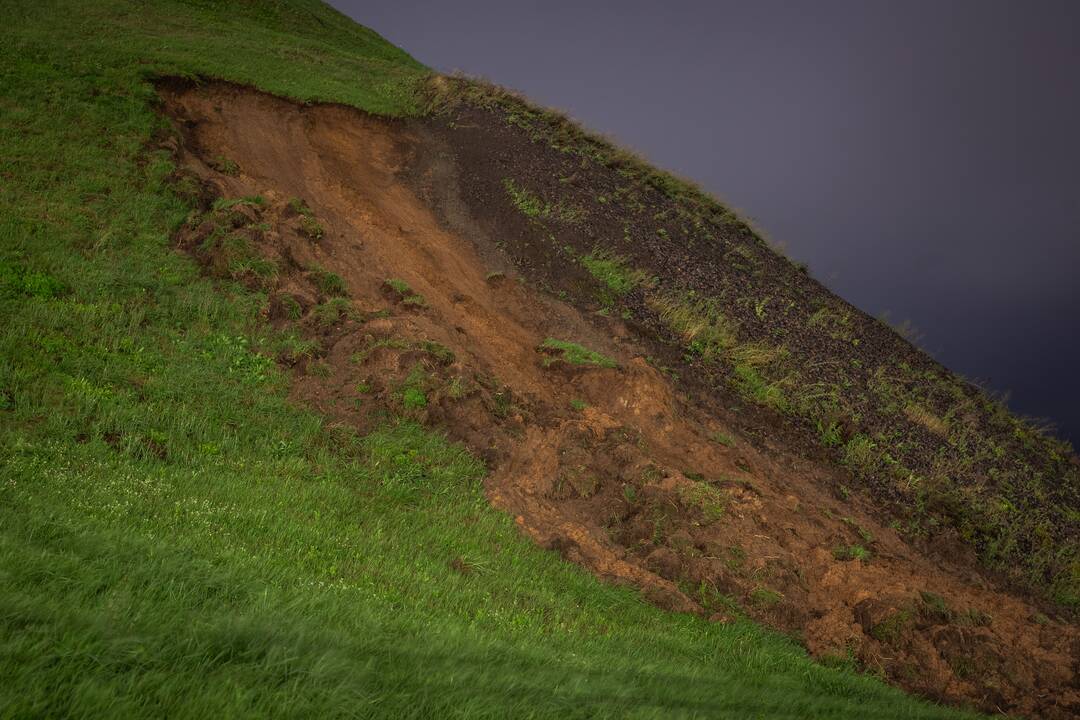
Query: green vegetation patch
851,552
533,206
892,627
615,276
574,354
709,500
334,311
328,283
404,292
700,323
309,226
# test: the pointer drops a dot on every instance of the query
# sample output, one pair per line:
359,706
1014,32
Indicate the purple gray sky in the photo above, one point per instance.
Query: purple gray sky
923,157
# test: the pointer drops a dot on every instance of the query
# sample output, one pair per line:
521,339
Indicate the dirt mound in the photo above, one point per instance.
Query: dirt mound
394,292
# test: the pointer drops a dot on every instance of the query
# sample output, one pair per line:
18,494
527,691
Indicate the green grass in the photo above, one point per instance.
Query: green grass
615,276
851,552
177,538
711,502
576,354
701,325
333,310
405,292
529,204
329,283
533,206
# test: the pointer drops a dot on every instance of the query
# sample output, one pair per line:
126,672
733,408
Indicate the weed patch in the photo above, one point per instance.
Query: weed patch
573,354
615,276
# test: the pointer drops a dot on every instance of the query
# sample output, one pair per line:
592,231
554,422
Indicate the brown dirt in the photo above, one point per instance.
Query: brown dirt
638,486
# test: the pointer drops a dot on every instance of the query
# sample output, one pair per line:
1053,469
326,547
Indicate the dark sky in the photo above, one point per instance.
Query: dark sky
922,157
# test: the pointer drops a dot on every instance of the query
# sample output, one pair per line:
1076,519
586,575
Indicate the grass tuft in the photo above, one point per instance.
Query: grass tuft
574,354
615,276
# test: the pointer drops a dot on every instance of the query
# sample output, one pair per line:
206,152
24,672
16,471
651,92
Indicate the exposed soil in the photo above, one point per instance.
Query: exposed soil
642,480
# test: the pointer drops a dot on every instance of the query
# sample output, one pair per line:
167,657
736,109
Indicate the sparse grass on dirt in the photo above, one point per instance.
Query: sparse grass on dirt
405,293
309,225
851,552
614,274
533,206
574,354
329,283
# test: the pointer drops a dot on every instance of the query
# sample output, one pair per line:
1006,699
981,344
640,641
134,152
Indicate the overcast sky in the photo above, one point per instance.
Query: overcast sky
922,157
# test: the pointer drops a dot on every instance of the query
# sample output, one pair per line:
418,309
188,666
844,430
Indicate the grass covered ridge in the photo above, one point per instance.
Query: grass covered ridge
176,538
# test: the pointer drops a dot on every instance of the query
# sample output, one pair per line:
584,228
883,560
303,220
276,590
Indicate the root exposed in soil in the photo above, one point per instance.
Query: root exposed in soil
397,296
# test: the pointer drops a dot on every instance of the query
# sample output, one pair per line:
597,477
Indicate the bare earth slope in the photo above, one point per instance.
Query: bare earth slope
620,469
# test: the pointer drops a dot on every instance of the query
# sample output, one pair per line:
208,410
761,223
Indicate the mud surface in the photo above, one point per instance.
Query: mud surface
644,481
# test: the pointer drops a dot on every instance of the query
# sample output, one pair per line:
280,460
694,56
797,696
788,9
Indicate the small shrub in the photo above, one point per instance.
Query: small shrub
578,405
866,535
973,617
831,435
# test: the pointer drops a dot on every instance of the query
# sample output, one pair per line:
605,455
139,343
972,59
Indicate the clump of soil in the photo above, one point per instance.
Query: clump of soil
410,299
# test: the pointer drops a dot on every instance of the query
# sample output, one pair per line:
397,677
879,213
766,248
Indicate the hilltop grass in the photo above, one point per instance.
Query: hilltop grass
177,539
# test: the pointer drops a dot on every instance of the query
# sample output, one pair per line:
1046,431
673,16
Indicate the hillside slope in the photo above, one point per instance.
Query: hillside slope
180,534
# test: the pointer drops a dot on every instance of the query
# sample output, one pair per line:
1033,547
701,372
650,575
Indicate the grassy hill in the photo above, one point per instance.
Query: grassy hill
177,538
